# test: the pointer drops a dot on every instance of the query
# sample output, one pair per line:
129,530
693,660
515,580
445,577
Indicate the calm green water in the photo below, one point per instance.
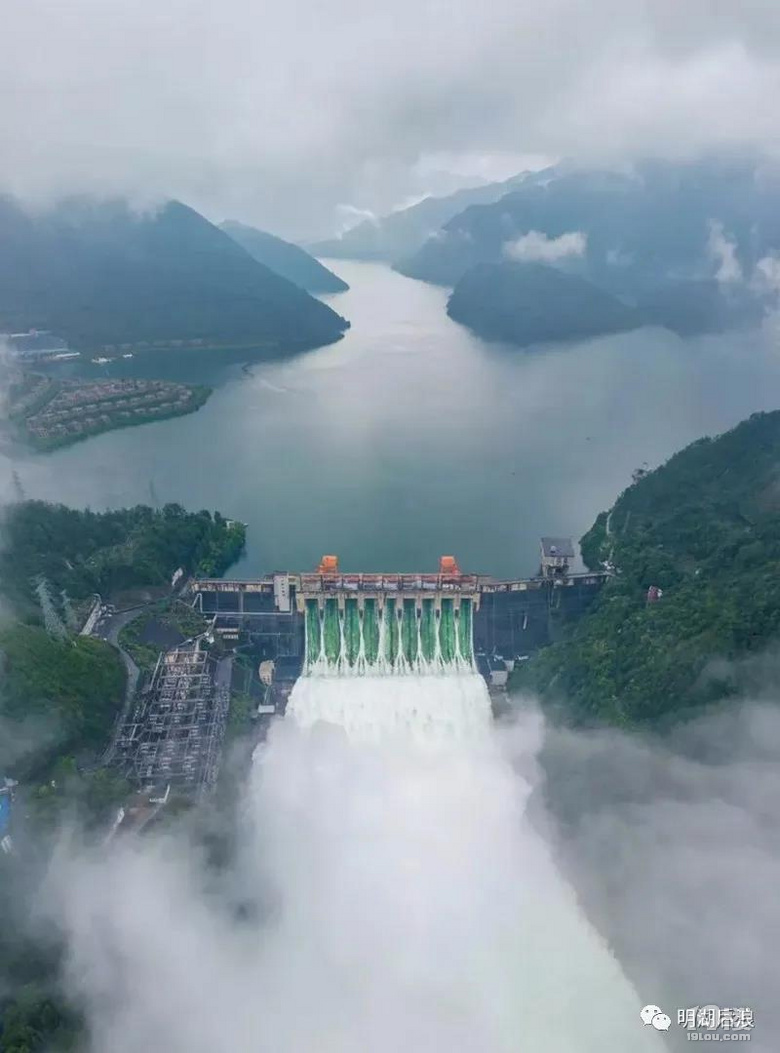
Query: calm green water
412,438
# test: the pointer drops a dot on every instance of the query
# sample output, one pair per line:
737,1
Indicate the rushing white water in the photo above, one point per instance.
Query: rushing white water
422,710
431,637
428,905
399,900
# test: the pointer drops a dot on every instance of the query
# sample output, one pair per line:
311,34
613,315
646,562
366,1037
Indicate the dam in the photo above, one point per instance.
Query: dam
374,624
334,623
435,915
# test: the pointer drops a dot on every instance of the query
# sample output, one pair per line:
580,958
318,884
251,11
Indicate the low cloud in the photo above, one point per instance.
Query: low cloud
766,278
22,739
386,896
674,847
350,216
537,247
722,253
9,370
299,107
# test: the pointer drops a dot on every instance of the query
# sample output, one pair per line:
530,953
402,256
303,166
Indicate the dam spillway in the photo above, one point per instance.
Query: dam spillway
379,636
388,625
330,622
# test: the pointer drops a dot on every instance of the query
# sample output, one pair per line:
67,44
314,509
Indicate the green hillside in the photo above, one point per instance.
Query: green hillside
84,552
705,529
100,274
62,696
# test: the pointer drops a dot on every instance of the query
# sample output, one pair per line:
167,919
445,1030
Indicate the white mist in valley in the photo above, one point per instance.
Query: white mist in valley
404,902
440,904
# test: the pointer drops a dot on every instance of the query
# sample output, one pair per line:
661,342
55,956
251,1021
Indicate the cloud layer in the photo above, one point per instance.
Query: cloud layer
675,849
279,113
722,253
538,248
388,897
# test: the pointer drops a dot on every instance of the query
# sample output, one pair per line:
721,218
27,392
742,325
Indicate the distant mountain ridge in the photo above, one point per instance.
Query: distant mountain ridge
98,273
642,228
290,261
402,233
533,303
693,246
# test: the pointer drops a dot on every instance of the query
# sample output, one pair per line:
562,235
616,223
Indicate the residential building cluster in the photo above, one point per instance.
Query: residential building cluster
79,409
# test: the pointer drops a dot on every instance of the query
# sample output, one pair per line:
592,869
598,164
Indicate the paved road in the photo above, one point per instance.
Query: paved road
224,672
108,626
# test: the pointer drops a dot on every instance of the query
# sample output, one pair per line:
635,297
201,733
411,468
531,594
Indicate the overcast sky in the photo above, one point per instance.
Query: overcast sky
289,115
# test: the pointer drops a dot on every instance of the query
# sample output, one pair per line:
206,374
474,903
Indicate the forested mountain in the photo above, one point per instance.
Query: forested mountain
84,552
694,242
98,273
692,307
402,233
528,303
284,258
61,691
704,528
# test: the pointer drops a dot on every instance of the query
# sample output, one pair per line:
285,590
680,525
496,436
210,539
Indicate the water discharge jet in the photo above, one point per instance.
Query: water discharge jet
401,899
373,638
440,915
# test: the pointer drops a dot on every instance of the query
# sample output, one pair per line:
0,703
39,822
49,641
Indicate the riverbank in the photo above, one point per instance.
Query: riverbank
410,437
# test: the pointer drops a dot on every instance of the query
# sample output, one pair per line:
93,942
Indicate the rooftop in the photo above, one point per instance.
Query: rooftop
558,546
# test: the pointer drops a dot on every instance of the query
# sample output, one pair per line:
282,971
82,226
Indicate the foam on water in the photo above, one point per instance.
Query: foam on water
423,710
417,895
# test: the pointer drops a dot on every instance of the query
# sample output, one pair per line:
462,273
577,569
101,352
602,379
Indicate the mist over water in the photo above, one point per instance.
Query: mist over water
436,867
408,903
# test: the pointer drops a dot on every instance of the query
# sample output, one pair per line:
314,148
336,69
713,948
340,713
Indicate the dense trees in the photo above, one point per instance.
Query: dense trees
36,1021
83,552
59,695
705,529
60,692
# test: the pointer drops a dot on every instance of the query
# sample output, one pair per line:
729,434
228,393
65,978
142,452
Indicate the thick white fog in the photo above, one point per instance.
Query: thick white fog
281,114
674,845
395,897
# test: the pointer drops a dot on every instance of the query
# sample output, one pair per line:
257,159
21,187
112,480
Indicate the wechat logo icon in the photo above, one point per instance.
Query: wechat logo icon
654,1016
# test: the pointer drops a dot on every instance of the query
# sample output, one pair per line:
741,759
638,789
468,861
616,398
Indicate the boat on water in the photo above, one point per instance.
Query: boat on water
101,361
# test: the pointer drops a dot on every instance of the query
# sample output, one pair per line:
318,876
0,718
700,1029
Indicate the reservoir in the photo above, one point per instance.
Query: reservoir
411,437
416,902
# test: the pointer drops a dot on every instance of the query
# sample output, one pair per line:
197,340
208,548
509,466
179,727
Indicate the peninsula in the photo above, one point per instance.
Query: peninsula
50,413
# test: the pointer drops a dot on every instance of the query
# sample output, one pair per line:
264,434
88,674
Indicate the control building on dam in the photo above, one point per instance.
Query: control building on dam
342,623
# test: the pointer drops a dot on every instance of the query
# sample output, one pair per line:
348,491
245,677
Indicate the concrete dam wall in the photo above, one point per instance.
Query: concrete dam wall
329,622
